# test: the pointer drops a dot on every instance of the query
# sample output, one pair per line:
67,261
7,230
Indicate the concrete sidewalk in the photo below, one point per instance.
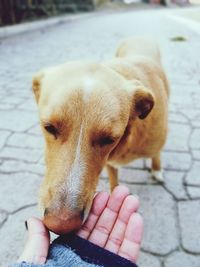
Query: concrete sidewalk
171,211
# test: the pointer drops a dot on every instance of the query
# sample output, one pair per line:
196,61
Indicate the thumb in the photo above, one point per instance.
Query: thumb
37,246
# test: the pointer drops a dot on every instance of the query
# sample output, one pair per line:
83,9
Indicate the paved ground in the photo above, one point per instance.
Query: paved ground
171,211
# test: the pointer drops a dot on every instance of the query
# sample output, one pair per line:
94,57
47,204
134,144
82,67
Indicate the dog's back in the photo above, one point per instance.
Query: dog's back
139,59
139,46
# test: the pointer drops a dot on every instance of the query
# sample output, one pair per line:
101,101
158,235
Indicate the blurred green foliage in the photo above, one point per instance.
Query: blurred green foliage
16,11
178,39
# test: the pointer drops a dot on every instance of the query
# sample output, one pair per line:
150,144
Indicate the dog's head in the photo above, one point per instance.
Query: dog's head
84,109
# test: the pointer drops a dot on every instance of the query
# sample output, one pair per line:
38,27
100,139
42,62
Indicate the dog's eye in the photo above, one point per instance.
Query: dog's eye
51,129
106,140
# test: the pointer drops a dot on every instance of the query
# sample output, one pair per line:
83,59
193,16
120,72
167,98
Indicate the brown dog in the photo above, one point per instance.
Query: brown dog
95,115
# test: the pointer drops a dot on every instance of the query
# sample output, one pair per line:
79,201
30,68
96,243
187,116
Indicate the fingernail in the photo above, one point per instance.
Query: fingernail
96,193
134,195
26,225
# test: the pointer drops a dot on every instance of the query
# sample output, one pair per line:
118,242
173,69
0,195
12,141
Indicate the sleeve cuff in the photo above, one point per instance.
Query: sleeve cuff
92,253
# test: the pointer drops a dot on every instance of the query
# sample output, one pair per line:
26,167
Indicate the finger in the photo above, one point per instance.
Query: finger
107,219
37,246
133,236
129,206
98,206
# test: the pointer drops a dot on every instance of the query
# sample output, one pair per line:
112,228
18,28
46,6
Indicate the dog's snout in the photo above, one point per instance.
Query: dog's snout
63,222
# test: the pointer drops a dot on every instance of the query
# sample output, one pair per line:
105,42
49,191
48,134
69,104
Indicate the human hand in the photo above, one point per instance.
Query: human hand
113,223
37,246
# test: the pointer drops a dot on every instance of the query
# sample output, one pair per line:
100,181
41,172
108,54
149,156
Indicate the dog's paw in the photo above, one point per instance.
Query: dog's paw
158,175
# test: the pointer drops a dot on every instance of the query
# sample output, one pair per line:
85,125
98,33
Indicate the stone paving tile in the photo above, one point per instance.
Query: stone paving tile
127,175
181,99
14,235
14,166
195,139
42,160
13,100
4,106
36,130
138,164
178,137
133,176
3,216
104,174
21,154
193,177
176,161
147,260
172,109
24,140
179,118
25,121
196,99
193,115
174,184
29,105
189,217
181,259
103,185
3,137
194,192
20,189
159,211
195,154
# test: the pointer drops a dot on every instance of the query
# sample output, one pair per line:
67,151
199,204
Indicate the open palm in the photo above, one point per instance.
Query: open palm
113,223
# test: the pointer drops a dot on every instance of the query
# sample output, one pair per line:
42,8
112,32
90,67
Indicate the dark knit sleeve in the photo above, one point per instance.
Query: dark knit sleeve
73,251
93,254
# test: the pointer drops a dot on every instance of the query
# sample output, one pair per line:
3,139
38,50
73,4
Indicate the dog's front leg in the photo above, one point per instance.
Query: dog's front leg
113,176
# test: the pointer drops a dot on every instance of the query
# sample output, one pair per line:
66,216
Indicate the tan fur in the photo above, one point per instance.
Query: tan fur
140,60
125,99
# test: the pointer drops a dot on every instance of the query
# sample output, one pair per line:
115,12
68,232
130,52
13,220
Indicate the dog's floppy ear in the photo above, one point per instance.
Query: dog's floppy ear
142,100
36,84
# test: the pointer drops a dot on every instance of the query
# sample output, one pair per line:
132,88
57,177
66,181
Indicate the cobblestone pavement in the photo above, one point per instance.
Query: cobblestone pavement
171,211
